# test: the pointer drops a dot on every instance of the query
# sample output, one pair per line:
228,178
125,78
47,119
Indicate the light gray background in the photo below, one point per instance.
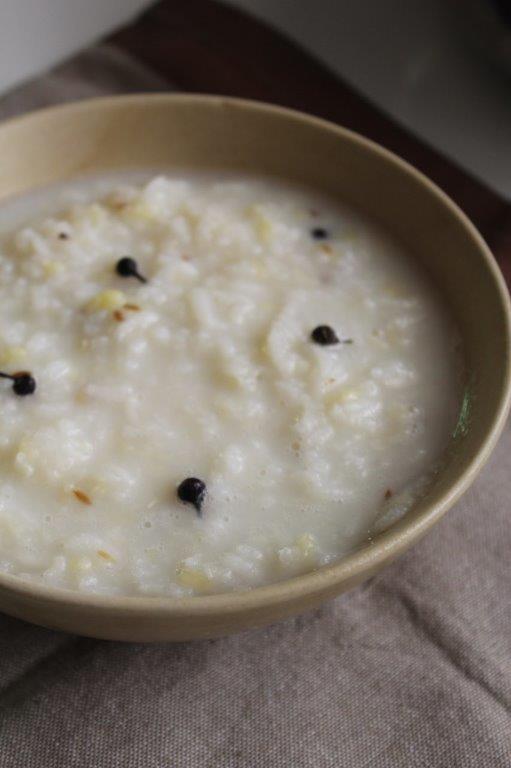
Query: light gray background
411,57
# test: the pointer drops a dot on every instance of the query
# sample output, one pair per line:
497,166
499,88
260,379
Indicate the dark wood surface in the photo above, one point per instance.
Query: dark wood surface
205,46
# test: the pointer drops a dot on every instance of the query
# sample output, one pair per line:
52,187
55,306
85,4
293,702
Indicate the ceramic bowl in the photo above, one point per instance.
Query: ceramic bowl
180,131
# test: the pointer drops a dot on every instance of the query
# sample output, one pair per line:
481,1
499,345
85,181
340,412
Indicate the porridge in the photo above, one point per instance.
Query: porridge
209,383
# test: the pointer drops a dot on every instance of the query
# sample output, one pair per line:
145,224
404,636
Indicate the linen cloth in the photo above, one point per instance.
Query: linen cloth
413,669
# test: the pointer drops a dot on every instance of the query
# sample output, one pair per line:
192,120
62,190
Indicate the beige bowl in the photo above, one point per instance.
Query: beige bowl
205,132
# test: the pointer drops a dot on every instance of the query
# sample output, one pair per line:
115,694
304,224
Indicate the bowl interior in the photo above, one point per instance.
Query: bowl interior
211,132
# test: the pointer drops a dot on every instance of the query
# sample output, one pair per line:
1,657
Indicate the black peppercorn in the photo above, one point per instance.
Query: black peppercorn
128,267
192,491
319,233
23,383
324,335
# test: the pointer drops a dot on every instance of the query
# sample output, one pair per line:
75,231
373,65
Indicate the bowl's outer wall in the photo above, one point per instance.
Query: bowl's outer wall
155,625
206,132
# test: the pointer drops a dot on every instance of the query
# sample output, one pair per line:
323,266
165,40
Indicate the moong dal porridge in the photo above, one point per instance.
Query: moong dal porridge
209,383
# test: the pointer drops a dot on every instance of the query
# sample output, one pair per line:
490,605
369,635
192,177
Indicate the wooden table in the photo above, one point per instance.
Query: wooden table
207,47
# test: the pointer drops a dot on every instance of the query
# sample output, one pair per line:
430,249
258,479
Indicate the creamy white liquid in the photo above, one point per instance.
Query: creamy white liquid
208,370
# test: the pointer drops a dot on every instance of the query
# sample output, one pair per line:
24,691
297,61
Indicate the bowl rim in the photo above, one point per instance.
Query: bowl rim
388,544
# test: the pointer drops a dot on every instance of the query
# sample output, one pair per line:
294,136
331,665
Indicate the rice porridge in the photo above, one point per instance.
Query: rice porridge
208,383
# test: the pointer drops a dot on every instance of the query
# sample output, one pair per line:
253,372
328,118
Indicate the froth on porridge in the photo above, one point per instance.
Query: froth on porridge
209,383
